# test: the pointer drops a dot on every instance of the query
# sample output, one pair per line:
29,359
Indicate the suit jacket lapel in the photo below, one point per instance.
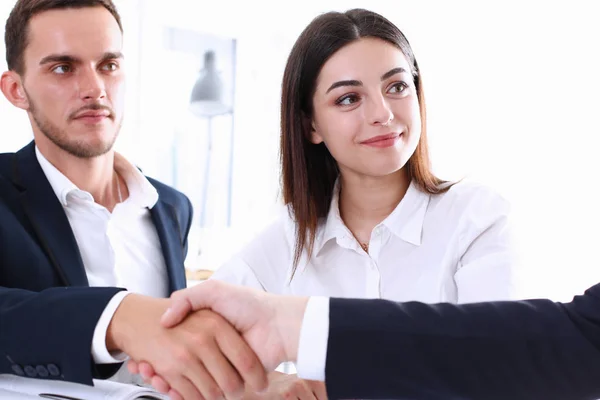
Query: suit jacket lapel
167,227
55,235
48,219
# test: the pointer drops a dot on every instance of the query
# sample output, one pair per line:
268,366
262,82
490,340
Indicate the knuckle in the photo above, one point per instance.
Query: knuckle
189,393
211,320
205,322
288,395
214,393
202,339
181,356
233,385
246,363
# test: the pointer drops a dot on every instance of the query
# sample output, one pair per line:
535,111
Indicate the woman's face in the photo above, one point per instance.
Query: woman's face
365,108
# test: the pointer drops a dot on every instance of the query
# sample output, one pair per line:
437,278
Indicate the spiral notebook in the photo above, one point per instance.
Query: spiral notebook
19,388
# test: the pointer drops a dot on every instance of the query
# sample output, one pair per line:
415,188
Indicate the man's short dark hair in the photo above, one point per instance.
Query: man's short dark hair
17,25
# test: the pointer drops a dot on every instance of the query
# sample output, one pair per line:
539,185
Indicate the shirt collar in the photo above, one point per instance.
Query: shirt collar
405,222
334,225
141,191
61,185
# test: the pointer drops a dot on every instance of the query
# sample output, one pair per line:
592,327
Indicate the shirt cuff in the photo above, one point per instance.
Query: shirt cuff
314,334
100,353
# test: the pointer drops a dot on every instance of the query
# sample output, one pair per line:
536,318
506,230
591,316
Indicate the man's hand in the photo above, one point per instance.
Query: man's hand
281,386
290,387
203,357
270,324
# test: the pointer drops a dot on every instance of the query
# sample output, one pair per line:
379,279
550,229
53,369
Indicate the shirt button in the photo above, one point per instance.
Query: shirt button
30,371
17,369
42,371
53,370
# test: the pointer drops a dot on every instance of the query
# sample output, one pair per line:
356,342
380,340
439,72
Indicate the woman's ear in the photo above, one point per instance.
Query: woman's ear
312,133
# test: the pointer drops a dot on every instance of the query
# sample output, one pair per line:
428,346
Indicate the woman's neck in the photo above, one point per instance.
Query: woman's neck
365,202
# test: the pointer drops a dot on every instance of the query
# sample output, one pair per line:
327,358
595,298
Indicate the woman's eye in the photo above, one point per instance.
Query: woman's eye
347,100
398,87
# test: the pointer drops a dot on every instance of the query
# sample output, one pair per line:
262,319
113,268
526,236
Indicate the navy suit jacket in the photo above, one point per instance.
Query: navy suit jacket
48,312
526,350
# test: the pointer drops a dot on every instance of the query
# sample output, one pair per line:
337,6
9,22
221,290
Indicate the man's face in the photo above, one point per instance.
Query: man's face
73,79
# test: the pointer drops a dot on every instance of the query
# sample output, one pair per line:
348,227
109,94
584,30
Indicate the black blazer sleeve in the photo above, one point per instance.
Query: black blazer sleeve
51,331
526,350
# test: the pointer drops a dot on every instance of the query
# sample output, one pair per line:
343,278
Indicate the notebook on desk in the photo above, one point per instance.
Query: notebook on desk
9,394
16,387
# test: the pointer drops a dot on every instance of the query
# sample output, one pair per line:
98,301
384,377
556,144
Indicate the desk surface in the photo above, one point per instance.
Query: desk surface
198,274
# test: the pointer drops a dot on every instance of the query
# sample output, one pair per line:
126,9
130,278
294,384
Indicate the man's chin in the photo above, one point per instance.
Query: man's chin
90,149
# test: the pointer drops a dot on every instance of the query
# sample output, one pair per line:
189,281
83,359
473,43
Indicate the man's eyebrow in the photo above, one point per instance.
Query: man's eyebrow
66,58
52,58
111,55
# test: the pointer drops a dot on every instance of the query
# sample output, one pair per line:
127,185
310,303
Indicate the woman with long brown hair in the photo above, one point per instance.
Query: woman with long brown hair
366,216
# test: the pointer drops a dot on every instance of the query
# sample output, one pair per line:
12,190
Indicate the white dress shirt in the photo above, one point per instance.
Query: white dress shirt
119,249
452,247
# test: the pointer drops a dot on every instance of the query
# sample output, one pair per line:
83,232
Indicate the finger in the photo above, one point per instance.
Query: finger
146,370
198,376
305,392
132,367
185,387
319,389
159,384
298,389
188,367
223,372
241,357
174,395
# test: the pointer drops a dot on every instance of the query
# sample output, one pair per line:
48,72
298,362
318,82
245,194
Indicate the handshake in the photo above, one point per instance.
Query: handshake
213,341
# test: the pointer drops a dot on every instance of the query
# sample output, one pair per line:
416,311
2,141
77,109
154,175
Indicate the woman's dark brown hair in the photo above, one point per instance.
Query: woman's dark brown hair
308,170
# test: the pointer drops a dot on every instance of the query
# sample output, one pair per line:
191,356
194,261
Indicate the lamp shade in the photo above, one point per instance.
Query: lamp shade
207,95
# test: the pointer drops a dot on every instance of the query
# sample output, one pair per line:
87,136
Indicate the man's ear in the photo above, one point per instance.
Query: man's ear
11,85
312,133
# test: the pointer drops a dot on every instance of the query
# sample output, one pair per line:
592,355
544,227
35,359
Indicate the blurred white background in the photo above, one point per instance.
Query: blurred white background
512,95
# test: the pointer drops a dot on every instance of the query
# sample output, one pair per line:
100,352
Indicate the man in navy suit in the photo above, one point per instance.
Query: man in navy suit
79,222
378,349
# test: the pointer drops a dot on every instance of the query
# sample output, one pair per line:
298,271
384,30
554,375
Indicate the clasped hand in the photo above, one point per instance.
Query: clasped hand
216,341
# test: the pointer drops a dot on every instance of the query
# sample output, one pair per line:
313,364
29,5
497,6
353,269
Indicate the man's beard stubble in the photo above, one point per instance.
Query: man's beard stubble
77,148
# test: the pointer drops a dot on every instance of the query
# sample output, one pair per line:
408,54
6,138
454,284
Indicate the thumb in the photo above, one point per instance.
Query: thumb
184,301
179,309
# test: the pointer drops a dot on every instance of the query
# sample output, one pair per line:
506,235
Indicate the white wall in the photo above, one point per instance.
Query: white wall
512,101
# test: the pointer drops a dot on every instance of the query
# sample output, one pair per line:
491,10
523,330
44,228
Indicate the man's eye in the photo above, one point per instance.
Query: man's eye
61,69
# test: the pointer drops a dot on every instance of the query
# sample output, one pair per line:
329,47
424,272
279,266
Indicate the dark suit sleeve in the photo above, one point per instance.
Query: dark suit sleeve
190,217
526,350
51,332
